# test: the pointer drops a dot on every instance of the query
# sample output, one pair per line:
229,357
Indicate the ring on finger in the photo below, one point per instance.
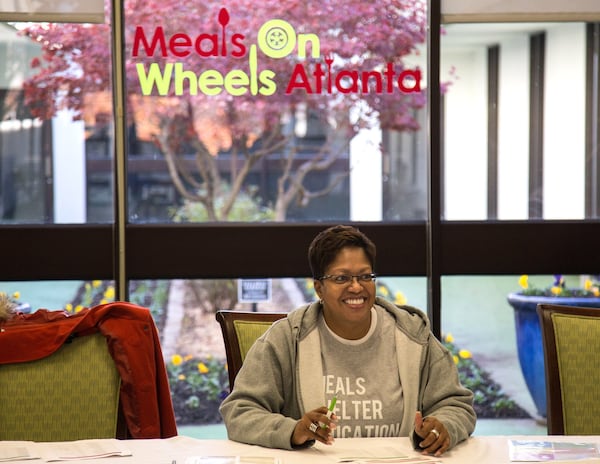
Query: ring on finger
313,427
435,432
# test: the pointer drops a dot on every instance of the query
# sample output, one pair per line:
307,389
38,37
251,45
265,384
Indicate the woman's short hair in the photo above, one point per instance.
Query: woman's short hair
325,247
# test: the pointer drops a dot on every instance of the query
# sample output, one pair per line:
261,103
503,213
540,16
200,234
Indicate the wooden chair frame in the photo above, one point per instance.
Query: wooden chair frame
554,401
227,319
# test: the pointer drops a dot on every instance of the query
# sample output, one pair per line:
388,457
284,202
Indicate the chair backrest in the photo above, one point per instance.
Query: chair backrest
71,394
240,330
571,339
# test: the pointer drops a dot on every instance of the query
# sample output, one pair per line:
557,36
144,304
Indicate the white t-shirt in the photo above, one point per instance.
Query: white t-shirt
363,374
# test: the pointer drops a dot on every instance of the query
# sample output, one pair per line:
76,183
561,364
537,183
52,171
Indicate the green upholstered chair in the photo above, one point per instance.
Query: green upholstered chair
240,330
571,339
71,394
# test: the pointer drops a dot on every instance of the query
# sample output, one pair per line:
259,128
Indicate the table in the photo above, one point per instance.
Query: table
475,450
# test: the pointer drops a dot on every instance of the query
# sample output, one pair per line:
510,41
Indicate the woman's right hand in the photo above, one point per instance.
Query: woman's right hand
315,425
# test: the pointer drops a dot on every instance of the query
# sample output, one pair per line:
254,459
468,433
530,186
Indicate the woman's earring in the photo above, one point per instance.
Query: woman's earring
321,301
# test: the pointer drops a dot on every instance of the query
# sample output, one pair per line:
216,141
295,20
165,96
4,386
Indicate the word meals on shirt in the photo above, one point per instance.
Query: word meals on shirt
363,374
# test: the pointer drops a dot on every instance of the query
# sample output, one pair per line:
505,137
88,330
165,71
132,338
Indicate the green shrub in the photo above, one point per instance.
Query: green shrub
489,400
197,388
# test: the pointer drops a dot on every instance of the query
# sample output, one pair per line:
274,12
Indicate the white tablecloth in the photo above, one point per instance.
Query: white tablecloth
476,450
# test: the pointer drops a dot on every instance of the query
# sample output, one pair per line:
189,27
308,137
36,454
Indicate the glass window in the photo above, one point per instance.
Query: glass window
511,86
491,324
256,113
55,123
22,177
67,295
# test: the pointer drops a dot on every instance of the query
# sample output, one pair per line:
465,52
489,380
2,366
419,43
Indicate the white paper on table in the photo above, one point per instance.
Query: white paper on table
382,455
81,449
16,451
232,460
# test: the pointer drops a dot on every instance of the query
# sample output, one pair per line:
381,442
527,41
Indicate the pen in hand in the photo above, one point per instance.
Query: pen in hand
330,409
331,406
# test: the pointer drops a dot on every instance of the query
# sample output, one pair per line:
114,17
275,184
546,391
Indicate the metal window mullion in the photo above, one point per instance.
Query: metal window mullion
120,159
592,118
493,64
433,228
536,126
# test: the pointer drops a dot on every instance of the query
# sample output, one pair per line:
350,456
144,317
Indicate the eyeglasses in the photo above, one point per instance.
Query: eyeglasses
343,279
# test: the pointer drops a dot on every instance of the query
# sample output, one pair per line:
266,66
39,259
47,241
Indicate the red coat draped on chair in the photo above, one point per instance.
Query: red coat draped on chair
133,343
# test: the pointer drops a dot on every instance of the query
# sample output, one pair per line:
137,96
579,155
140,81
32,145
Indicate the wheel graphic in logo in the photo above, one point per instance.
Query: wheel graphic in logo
276,38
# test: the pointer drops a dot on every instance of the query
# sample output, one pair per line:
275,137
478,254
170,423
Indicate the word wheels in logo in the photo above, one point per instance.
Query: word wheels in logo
277,38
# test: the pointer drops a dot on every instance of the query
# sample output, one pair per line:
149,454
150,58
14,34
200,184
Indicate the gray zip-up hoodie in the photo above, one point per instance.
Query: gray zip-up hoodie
282,378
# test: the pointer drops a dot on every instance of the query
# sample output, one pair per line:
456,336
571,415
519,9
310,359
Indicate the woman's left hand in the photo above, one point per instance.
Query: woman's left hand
436,439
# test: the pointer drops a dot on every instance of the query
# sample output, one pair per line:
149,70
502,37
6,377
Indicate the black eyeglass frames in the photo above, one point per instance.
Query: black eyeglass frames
342,279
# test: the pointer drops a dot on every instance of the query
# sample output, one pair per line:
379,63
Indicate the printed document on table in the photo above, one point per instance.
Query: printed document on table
16,451
383,455
421,459
81,449
232,460
543,451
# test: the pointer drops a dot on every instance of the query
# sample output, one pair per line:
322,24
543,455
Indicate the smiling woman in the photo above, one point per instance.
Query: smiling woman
346,298
347,345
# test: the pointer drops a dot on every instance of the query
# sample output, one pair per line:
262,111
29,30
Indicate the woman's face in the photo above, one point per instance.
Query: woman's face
347,307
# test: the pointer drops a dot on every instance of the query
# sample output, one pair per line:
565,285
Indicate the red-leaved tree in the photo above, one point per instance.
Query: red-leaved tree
355,38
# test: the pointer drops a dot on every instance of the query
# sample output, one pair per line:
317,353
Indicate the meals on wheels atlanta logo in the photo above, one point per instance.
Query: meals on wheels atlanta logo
276,39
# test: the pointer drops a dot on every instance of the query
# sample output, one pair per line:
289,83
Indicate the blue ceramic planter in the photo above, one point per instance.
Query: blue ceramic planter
529,340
